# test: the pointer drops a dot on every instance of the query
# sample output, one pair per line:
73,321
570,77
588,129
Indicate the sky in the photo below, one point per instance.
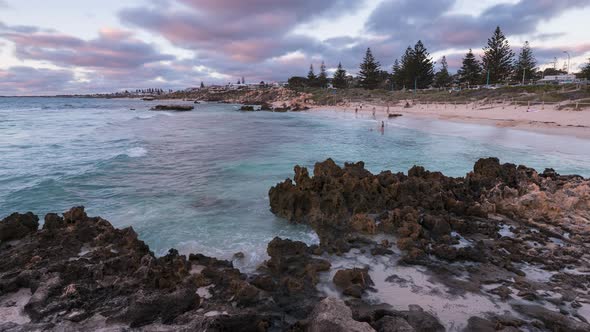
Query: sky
66,46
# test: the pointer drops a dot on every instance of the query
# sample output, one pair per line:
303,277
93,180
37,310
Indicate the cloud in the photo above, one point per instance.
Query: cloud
242,31
30,81
112,49
404,22
228,39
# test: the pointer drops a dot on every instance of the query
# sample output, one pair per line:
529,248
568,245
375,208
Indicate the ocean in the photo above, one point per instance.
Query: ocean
198,181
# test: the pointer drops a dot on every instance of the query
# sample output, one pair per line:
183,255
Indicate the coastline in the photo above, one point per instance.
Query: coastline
535,119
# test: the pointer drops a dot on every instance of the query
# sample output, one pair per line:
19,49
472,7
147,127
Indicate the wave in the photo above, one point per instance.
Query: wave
136,152
144,117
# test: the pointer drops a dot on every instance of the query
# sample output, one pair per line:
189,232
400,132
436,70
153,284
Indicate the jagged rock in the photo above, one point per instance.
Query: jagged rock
393,324
551,319
17,226
78,268
353,281
332,315
422,321
478,324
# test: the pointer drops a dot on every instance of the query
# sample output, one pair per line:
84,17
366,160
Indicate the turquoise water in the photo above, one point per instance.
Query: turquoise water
198,181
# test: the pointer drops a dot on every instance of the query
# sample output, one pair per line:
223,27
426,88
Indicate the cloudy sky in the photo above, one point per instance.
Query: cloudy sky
65,46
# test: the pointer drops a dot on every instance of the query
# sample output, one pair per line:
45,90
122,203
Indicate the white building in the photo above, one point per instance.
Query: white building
558,79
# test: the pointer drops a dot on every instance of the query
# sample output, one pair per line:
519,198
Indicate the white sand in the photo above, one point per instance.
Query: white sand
545,119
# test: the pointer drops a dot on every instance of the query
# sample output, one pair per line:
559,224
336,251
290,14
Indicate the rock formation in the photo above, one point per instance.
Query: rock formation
508,221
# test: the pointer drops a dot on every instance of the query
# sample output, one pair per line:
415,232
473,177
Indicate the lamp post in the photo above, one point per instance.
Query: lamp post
568,61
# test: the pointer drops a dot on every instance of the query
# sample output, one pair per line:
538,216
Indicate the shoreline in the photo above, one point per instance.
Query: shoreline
544,121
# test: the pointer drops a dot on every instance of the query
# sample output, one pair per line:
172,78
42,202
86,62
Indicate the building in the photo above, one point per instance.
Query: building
558,79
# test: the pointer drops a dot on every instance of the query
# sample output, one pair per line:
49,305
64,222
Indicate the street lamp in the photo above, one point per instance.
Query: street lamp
568,61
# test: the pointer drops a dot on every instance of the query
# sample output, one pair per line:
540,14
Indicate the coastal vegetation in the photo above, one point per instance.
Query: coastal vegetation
415,69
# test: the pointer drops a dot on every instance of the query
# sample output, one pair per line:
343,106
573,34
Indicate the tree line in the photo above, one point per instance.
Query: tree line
416,69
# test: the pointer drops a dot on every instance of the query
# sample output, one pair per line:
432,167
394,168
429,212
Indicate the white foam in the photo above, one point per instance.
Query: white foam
412,285
205,292
505,231
136,152
535,273
12,307
463,242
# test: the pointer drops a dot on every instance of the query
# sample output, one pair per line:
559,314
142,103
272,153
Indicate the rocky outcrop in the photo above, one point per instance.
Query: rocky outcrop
523,232
83,273
17,226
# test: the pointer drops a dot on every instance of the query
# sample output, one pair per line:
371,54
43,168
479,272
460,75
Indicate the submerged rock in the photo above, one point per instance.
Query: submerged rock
178,108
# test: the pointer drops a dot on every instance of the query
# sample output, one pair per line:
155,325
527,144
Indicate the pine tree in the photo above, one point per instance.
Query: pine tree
407,69
585,73
243,80
424,74
396,76
202,85
339,81
498,58
443,78
322,80
369,73
470,71
311,77
526,64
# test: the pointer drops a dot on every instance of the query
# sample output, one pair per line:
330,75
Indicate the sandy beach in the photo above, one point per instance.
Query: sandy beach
536,118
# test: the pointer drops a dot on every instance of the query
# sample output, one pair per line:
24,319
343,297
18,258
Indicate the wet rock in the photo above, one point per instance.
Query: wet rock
145,308
393,324
353,281
421,321
478,324
332,315
177,108
78,268
247,108
17,226
551,319
265,107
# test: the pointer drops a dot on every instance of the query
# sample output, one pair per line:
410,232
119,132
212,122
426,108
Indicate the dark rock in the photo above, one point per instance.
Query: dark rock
17,226
555,321
478,324
353,281
422,321
332,315
79,268
393,324
247,108
178,108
